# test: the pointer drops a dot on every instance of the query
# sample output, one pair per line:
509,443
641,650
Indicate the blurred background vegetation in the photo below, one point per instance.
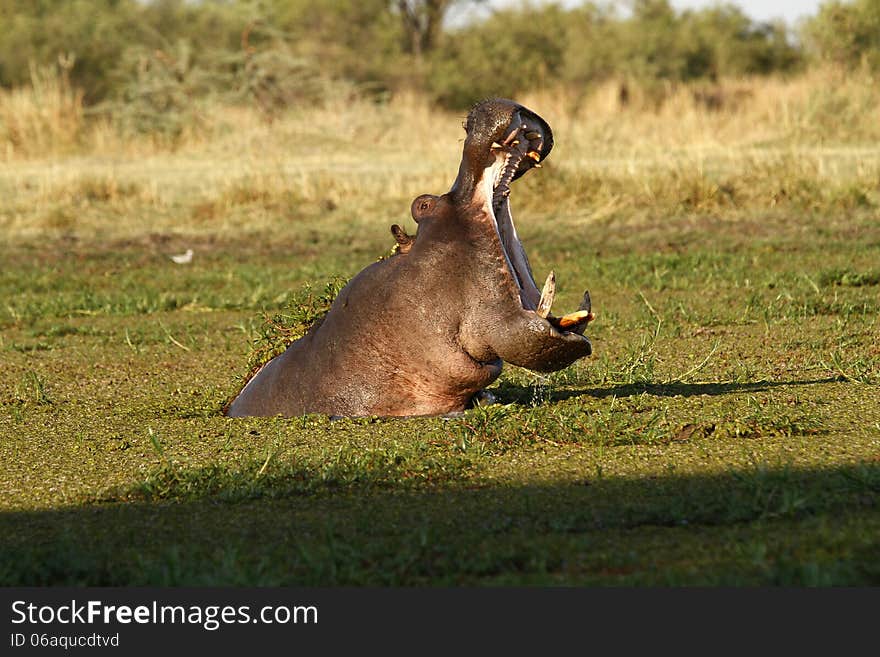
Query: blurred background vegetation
142,59
88,75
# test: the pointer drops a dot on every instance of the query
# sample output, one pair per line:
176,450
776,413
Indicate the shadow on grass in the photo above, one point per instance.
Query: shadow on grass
757,526
513,393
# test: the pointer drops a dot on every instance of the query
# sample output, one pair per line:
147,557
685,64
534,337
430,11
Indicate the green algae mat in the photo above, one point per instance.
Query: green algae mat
726,430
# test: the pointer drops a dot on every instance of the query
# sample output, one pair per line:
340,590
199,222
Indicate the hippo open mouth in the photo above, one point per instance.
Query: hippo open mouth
515,149
519,152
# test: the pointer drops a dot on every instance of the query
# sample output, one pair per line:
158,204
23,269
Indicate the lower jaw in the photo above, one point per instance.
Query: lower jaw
515,255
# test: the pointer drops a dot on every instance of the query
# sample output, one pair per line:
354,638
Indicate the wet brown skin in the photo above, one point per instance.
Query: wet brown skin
421,332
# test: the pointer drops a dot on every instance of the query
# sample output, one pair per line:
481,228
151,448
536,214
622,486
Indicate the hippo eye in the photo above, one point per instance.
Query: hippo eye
424,205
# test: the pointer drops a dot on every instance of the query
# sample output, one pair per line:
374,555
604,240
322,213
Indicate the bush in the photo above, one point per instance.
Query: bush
846,34
512,52
150,63
520,50
95,32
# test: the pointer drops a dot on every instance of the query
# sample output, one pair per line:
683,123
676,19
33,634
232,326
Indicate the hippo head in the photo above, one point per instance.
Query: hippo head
505,140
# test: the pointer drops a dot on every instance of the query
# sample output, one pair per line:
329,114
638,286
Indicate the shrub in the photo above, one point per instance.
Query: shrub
846,33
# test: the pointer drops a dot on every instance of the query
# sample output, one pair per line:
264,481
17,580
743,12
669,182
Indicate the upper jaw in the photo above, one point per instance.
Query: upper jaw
522,149
501,122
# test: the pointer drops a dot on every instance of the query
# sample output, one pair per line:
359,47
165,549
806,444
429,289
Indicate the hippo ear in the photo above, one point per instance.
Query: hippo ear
423,206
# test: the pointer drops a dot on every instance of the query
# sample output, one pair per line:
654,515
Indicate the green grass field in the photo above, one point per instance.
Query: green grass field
725,431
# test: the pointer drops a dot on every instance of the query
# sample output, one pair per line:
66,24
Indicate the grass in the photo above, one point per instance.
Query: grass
725,432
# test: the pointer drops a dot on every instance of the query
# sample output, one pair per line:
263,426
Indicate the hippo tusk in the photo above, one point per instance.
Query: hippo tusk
575,318
511,139
586,303
547,296
583,315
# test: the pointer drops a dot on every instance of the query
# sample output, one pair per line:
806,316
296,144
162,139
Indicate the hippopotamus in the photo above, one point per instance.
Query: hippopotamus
424,331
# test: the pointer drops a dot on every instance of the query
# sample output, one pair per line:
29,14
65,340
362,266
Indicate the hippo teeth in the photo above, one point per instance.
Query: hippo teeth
572,319
502,187
511,139
547,296
583,315
577,320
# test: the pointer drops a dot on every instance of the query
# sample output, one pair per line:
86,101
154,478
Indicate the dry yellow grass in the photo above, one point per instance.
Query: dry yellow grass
809,142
